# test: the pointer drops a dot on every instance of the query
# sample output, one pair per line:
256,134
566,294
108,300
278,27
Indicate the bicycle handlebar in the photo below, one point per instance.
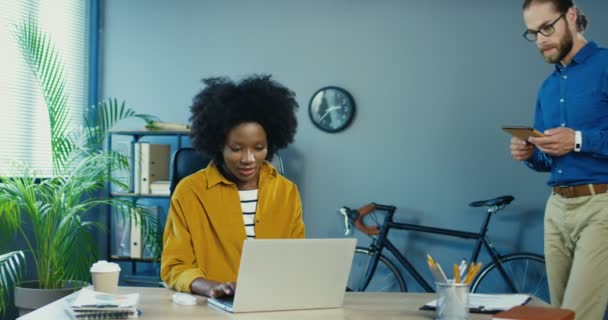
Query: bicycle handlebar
356,215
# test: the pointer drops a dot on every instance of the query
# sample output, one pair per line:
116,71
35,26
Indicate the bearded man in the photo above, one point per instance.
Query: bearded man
572,111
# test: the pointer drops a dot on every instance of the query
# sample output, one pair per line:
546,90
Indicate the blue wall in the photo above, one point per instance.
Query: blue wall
433,82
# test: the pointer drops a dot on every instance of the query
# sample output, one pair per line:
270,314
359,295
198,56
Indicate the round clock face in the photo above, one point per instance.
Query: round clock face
331,109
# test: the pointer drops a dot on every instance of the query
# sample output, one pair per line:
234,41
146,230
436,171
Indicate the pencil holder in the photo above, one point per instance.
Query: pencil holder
452,301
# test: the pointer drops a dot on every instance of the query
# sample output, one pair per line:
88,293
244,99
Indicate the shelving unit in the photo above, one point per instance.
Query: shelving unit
151,266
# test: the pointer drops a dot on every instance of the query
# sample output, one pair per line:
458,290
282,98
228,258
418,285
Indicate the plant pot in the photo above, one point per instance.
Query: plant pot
29,296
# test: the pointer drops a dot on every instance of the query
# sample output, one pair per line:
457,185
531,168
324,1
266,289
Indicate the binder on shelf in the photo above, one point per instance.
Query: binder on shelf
155,160
121,235
122,147
150,245
137,168
136,239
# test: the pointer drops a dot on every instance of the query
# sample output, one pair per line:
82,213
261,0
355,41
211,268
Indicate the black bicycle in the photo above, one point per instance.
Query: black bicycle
520,272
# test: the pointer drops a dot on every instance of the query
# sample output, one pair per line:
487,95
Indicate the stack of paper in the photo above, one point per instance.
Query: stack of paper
160,187
489,303
91,304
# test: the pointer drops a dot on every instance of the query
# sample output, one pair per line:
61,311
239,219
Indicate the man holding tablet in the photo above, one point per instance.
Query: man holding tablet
572,112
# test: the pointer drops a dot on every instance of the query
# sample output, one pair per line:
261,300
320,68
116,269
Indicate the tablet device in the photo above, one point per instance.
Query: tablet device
522,132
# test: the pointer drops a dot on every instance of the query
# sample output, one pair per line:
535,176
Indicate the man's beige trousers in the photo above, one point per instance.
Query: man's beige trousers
576,250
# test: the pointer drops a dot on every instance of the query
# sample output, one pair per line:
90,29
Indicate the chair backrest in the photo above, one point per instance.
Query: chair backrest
185,162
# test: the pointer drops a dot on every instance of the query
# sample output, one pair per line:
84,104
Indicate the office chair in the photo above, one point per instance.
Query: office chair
187,161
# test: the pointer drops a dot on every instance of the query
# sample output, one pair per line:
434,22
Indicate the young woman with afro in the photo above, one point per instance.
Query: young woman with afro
240,195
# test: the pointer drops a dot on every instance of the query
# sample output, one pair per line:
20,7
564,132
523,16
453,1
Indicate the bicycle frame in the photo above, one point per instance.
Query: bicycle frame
382,241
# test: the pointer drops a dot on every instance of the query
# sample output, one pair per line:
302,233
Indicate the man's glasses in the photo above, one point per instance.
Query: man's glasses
546,31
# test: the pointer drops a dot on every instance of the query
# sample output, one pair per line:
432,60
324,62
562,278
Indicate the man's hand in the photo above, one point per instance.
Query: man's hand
521,150
557,142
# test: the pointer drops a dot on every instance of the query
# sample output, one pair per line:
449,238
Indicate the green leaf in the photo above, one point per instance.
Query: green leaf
10,273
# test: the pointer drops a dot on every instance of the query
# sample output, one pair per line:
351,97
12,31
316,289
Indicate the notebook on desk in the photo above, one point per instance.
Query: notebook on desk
535,313
290,274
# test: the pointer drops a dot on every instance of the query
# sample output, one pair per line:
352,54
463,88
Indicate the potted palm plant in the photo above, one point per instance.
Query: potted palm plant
50,213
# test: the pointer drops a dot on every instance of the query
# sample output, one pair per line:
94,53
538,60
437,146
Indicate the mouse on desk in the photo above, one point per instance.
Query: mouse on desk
184,299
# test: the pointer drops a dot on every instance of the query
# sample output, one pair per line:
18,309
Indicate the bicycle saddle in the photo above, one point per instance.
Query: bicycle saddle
500,201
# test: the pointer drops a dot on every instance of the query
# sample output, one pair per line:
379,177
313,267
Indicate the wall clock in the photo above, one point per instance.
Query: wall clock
331,109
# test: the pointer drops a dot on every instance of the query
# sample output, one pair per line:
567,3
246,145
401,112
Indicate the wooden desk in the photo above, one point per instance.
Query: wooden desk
156,303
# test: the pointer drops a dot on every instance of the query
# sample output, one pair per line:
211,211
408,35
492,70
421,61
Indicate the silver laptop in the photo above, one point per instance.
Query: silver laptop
290,274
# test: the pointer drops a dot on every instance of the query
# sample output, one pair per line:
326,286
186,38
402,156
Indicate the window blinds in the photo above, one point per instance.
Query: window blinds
24,123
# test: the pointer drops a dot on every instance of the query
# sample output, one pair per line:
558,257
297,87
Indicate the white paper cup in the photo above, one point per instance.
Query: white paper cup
105,276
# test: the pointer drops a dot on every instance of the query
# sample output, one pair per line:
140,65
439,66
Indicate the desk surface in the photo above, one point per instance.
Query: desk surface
156,303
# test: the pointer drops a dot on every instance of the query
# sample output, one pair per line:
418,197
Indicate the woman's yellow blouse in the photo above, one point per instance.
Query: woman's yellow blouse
204,233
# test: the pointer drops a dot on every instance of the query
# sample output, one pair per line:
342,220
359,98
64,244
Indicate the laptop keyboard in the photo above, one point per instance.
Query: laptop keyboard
226,300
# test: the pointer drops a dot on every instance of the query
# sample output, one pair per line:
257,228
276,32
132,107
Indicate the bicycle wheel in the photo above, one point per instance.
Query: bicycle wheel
386,277
526,270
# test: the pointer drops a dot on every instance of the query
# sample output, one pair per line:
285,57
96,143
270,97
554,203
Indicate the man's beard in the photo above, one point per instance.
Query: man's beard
564,47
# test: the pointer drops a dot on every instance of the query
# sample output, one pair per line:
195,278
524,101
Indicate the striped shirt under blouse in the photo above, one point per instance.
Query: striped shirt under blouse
249,203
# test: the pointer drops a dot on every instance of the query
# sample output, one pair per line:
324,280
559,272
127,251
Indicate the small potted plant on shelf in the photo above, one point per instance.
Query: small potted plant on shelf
50,213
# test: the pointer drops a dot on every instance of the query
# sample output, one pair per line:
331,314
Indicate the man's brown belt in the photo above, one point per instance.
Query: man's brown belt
580,190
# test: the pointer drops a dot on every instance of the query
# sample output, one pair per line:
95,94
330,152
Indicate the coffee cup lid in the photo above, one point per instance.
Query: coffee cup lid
104,266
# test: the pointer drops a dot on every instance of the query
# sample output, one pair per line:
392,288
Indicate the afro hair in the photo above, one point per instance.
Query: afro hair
224,104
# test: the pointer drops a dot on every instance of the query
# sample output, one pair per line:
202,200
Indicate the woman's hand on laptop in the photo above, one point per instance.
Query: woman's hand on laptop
223,289
212,288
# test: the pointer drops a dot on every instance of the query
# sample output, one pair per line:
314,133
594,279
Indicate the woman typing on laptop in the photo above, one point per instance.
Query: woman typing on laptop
240,195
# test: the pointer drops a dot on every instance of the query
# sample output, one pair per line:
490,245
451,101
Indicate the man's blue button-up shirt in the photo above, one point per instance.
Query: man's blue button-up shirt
576,96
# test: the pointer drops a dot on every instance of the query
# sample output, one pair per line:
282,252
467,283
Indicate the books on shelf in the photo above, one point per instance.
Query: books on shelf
149,162
535,313
90,304
154,164
160,187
